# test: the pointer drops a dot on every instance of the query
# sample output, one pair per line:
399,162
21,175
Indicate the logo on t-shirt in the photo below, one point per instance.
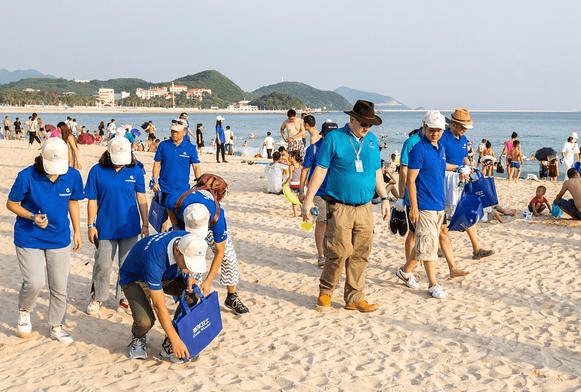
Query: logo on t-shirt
67,193
184,155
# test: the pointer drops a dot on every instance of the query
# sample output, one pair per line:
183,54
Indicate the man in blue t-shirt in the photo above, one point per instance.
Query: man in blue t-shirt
172,161
309,164
455,145
349,158
425,181
156,265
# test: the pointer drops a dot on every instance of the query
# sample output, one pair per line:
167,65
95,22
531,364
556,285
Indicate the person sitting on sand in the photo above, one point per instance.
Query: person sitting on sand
572,206
539,202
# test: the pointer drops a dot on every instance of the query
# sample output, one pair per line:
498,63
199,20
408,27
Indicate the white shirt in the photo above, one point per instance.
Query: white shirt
269,142
569,151
227,136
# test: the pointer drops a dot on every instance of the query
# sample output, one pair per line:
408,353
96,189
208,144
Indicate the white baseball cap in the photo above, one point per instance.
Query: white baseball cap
177,125
55,156
194,251
435,119
120,150
196,218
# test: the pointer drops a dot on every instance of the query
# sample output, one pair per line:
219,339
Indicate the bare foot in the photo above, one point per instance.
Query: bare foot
458,272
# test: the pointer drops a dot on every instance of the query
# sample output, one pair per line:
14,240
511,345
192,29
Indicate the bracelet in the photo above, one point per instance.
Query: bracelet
384,198
90,226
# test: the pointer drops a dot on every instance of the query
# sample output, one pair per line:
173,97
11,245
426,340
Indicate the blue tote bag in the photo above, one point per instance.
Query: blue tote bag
157,212
468,212
200,324
484,188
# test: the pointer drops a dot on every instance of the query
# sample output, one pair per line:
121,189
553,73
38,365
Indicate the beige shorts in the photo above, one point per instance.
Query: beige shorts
427,234
322,207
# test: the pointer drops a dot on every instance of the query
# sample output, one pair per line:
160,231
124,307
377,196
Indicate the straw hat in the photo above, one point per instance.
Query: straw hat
462,116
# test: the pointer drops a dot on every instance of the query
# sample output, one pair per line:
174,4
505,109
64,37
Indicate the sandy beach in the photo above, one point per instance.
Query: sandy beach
511,324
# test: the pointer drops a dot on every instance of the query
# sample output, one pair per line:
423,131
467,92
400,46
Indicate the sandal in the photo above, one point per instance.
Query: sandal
482,253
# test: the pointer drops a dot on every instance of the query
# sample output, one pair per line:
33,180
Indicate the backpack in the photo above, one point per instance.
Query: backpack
213,184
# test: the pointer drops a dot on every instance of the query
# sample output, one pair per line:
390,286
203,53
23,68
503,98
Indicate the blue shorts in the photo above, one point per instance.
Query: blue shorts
568,206
515,164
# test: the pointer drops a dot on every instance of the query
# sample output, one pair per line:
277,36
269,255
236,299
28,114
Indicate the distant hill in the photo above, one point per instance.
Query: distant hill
382,102
312,97
278,101
7,76
222,87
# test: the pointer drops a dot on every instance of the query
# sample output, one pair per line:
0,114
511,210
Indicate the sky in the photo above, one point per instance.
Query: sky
435,54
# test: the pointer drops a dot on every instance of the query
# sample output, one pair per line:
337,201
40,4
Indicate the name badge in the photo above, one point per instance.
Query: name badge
359,166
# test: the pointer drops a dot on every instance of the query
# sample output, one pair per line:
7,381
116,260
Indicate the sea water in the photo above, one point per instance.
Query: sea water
535,129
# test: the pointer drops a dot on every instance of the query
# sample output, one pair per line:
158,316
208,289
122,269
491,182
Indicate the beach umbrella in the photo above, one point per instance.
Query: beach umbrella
136,132
545,154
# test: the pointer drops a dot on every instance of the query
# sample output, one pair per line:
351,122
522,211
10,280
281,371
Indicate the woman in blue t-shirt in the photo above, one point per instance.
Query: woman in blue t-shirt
43,197
115,191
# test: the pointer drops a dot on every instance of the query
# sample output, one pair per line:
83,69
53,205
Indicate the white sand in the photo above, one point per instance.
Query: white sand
512,324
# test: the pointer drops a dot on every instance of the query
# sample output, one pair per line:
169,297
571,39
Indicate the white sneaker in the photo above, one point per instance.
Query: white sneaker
408,278
138,348
58,333
94,306
24,326
436,291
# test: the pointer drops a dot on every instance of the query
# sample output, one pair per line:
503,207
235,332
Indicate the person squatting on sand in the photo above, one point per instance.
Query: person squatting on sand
349,158
156,265
539,202
43,197
198,210
171,166
571,207
115,184
431,118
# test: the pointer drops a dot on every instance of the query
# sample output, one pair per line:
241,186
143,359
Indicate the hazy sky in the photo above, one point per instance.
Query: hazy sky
438,54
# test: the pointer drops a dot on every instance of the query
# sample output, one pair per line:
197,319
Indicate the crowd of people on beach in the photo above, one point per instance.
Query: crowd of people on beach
336,180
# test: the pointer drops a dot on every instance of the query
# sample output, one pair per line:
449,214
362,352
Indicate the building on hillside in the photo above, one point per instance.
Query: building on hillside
242,106
177,88
122,95
30,90
106,97
198,93
81,81
151,92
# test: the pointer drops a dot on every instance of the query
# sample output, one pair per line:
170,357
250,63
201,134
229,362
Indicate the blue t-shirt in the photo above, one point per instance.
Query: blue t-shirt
431,162
338,156
407,146
39,195
175,165
220,134
117,210
149,261
219,230
311,160
456,148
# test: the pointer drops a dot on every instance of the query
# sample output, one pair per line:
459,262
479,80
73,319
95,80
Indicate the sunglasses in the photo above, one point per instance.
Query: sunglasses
365,125
177,122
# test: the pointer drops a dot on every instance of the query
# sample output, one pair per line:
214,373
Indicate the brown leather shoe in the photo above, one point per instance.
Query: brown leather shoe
363,306
323,302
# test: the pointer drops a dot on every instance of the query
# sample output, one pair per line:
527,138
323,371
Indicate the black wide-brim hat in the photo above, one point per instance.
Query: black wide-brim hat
364,111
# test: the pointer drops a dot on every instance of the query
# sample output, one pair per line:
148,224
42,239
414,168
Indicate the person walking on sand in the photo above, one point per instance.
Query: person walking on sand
432,119
571,207
570,151
43,197
220,140
425,183
200,137
455,146
172,162
309,165
67,136
292,131
116,183
268,145
507,151
33,130
350,161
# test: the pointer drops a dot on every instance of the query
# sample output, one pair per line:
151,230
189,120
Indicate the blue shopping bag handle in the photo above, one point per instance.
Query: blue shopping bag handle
183,302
